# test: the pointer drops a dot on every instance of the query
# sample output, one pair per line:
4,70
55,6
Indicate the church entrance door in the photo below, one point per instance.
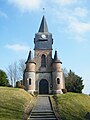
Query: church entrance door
43,87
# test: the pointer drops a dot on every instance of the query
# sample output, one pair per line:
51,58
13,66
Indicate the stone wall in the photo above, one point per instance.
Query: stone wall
30,87
30,67
58,87
39,77
38,54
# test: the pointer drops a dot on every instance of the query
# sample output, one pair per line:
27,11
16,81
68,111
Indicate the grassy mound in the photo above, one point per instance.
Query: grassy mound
12,103
73,106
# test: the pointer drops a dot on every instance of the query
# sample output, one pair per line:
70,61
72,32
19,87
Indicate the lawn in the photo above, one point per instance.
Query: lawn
73,106
13,102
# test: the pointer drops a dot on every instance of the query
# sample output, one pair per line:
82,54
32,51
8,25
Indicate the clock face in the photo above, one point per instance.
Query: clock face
43,36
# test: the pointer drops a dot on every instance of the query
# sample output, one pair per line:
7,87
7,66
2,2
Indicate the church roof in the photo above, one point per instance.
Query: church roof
56,60
43,25
30,60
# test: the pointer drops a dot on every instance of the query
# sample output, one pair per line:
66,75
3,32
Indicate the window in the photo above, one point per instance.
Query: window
43,61
58,81
29,81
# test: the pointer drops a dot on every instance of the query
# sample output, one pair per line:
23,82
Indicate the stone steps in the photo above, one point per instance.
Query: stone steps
42,116
42,119
42,110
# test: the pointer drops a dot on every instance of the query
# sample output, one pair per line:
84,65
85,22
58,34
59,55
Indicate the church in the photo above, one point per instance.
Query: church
43,73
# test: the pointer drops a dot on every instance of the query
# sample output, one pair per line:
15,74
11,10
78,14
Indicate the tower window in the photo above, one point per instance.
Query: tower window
29,81
43,61
58,81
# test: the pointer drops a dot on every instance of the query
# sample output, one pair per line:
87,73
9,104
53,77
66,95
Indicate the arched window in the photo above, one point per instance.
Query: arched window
29,81
43,61
58,81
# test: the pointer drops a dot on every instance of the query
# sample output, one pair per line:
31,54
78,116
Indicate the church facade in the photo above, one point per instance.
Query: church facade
43,74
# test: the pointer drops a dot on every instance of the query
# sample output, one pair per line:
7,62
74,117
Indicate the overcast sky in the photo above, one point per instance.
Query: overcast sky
68,21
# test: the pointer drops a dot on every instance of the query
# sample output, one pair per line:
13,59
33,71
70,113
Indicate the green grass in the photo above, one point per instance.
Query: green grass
73,106
12,103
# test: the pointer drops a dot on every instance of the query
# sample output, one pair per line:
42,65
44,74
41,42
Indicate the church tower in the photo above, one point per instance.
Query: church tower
43,74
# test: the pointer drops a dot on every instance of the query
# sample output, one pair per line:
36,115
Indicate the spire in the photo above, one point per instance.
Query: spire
29,57
55,56
56,60
30,60
43,26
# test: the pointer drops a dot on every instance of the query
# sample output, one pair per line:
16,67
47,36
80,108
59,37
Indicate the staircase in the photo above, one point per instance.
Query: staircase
42,110
42,116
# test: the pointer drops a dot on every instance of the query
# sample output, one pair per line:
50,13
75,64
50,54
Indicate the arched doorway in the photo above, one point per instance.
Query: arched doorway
43,87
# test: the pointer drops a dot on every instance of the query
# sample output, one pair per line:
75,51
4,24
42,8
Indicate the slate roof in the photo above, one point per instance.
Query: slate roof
40,42
29,59
56,60
43,26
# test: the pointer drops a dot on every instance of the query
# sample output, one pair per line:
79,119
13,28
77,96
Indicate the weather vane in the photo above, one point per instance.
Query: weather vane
43,10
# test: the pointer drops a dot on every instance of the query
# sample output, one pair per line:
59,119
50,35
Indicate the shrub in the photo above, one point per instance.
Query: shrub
64,90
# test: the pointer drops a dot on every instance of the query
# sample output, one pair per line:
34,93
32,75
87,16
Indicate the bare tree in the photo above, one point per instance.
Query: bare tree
15,71
10,74
21,68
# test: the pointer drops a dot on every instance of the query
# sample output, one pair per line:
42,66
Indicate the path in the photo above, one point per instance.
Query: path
42,110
